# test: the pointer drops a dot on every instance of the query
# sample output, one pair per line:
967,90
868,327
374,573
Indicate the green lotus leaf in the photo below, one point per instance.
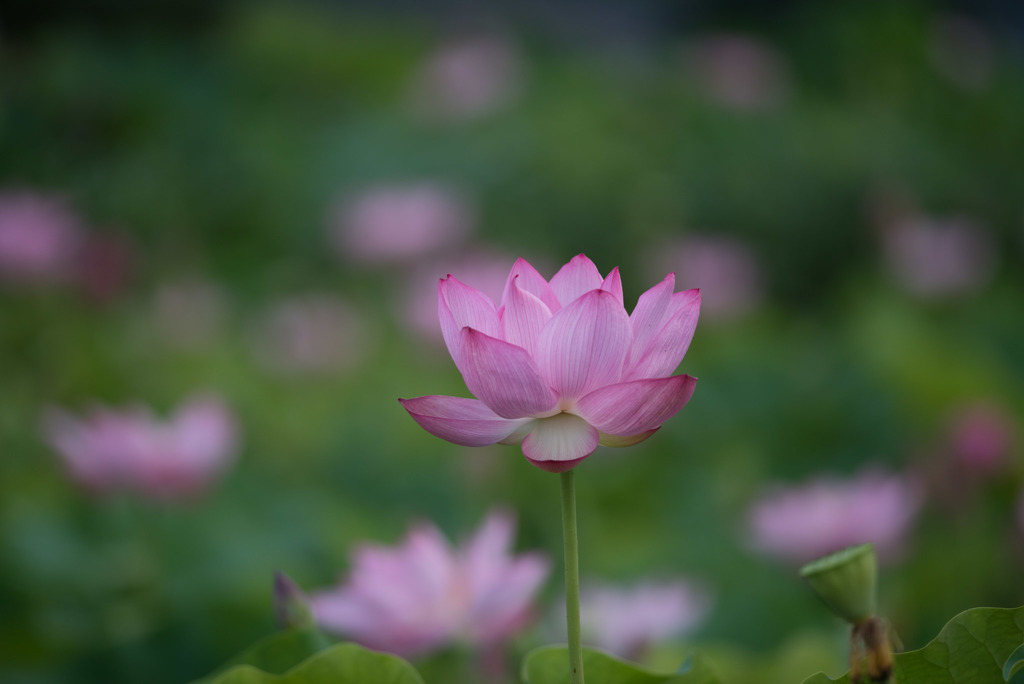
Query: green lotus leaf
973,647
340,664
550,665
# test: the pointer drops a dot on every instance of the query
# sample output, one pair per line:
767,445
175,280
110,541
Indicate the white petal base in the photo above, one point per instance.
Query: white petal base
559,442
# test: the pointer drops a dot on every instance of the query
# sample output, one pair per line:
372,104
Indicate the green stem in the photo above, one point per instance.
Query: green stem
572,576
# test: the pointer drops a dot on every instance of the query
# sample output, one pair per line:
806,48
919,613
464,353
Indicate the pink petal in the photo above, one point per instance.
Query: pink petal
459,420
576,278
613,284
504,376
668,347
630,408
533,282
524,317
560,442
649,314
584,345
461,306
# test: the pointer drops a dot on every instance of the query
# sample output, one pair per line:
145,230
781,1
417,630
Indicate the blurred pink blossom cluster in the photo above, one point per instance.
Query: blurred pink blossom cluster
312,332
400,222
627,621
132,450
43,242
802,522
466,79
424,595
725,268
932,257
739,72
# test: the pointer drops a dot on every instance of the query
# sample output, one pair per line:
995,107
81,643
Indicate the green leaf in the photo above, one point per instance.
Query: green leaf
341,664
972,647
550,665
277,653
1013,668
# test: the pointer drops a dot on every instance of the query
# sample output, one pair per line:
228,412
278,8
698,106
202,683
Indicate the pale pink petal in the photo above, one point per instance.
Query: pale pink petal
631,408
460,306
504,376
649,314
613,284
619,441
459,420
505,608
668,347
523,318
560,440
576,278
533,282
584,345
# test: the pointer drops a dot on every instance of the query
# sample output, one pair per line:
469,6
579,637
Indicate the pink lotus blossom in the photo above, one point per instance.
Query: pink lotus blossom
485,271
468,79
727,269
424,595
313,332
132,450
393,223
740,72
39,238
981,436
935,257
627,621
560,366
802,522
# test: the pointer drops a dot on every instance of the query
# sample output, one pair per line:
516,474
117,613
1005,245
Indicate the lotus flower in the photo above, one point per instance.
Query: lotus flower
806,521
626,621
39,238
424,595
560,366
133,450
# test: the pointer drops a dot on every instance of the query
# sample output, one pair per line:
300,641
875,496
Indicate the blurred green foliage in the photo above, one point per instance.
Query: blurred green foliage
219,152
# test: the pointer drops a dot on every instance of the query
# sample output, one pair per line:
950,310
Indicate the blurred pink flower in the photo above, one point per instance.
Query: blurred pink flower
485,271
39,238
961,51
627,621
392,223
561,366
726,268
134,451
934,257
425,595
739,72
468,78
309,333
800,523
981,436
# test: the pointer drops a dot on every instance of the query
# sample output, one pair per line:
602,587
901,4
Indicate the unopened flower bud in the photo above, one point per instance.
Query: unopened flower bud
846,581
291,607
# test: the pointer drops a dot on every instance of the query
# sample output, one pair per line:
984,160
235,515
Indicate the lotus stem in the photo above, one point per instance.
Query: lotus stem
572,576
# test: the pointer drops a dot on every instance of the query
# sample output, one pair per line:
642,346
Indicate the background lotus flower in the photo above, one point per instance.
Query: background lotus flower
981,437
560,366
424,595
626,621
312,332
932,257
806,521
133,450
39,238
401,222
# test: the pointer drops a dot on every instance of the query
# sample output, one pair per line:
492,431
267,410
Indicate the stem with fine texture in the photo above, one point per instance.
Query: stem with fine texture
572,576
